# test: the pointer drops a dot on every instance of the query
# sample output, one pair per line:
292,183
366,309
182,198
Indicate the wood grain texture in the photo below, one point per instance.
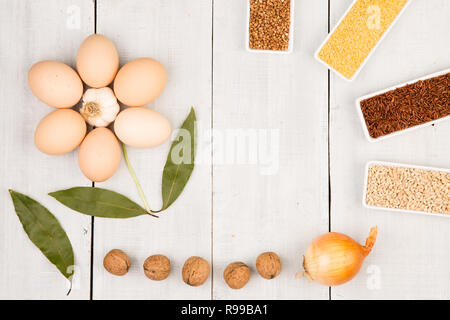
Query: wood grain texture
178,34
257,209
410,258
31,31
237,208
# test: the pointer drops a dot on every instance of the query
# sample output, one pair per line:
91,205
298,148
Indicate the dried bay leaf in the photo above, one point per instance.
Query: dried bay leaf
45,232
180,161
98,202
105,203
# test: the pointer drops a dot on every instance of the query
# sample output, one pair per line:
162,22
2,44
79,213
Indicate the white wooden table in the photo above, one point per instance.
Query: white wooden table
307,177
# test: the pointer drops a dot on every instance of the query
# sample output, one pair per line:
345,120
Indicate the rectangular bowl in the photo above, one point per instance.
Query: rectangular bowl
291,33
316,54
396,133
391,164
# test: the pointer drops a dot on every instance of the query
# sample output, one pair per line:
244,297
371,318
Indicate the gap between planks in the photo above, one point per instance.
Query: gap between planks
212,151
212,159
329,137
91,278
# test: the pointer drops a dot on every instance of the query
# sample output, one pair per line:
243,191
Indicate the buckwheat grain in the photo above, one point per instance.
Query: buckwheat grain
269,24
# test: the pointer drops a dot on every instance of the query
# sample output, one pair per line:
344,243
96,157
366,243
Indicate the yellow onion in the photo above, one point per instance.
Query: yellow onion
334,258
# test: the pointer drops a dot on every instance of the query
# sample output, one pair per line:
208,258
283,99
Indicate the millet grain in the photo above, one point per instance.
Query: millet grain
358,34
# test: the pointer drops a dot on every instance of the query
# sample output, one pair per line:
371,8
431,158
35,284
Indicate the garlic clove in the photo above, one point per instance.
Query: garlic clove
100,106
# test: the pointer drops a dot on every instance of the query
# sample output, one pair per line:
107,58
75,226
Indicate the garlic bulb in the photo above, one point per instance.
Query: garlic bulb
100,107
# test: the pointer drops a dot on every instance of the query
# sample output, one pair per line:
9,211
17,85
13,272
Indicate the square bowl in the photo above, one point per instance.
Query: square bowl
396,133
398,165
316,54
291,33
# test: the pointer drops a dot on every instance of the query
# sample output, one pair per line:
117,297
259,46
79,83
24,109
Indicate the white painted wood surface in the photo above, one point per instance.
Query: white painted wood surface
229,211
31,31
178,34
410,258
281,203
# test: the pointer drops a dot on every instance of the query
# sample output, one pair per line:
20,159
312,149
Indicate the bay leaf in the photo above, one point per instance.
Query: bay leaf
180,161
98,202
45,232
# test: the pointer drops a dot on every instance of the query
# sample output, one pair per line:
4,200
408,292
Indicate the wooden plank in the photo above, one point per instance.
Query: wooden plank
279,201
178,34
32,31
410,258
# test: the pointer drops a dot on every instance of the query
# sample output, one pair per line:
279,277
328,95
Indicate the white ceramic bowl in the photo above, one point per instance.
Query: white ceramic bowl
291,34
316,55
390,164
396,133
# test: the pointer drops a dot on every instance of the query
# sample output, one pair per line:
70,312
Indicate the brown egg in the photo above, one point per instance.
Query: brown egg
139,82
60,132
55,84
141,127
99,155
97,61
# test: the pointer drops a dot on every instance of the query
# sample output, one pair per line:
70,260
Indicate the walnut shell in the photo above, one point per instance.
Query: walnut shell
268,265
157,267
236,275
195,271
117,262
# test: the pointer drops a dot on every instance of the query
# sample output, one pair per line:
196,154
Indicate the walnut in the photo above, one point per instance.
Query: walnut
157,267
236,275
117,262
195,271
268,265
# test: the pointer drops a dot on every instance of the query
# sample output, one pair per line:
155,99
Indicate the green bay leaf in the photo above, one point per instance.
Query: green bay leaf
98,202
180,161
45,232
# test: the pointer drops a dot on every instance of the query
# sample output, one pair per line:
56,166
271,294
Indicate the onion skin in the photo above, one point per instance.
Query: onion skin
334,258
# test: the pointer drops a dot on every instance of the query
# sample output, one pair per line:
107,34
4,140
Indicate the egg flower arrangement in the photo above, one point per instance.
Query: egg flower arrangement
135,84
